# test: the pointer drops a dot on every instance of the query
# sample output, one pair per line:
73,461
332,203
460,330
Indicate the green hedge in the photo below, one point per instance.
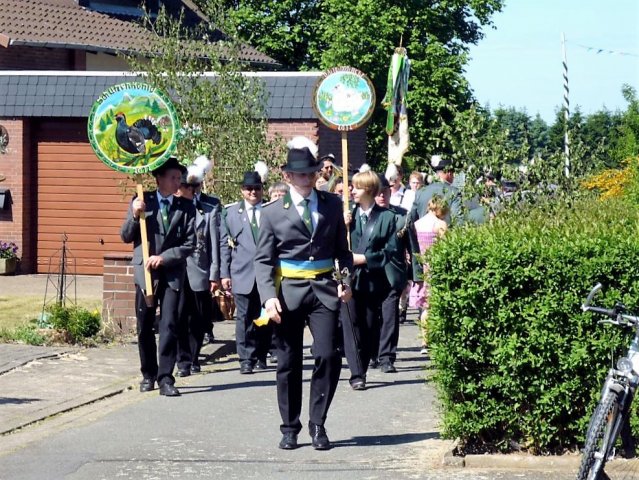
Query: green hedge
518,365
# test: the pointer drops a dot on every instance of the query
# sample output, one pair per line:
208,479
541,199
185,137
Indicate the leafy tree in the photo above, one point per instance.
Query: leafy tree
283,29
364,34
627,144
223,115
538,135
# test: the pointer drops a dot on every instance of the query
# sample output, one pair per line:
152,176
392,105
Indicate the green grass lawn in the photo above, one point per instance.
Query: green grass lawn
19,310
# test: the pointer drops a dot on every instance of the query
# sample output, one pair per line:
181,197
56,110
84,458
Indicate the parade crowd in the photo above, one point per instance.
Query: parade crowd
299,260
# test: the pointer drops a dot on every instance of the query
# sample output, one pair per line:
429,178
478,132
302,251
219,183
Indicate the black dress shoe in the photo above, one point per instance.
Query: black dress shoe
388,367
260,365
358,385
246,368
319,438
169,390
183,372
208,338
195,368
373,363
147,384
289,441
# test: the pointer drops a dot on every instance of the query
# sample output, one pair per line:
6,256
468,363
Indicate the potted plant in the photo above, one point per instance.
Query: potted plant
8,258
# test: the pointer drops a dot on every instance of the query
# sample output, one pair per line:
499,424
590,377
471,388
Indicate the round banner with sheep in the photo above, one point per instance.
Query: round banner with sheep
133,128
344,98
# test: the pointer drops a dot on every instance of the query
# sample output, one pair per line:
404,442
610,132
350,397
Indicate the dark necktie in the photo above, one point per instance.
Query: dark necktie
254,228
164,209
363,218
306,215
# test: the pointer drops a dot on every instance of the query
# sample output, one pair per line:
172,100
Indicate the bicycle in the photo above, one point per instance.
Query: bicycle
610,418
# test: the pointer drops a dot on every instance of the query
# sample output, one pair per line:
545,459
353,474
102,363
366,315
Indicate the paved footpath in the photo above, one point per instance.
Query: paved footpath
72,413
225,425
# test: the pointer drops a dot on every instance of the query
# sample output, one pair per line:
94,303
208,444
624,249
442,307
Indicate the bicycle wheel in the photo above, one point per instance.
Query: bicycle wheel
599,439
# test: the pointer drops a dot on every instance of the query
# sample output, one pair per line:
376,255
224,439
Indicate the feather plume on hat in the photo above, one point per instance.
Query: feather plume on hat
203,163
392,172
194,175
298,143
364,168
261,168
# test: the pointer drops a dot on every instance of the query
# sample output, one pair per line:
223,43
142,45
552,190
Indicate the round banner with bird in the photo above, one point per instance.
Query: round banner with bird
133,128
344,98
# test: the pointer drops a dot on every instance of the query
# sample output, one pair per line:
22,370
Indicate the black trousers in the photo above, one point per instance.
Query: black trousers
252,342
360,327
289,341
195,310
389,327
168,300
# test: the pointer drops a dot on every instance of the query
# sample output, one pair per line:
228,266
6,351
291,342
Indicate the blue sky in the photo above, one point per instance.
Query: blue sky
519,63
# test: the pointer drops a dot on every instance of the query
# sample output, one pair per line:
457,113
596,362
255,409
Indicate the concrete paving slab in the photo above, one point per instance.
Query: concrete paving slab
50,381
16,355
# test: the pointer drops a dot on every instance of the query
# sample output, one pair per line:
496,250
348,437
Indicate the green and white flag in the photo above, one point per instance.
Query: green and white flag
395,104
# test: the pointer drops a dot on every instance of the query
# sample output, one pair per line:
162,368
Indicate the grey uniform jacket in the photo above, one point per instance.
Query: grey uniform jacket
174,246
203,265
283,236
449,193
237,248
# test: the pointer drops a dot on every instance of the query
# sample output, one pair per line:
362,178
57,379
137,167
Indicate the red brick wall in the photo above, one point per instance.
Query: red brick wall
18,221
287,129
36,58
118,292
330,141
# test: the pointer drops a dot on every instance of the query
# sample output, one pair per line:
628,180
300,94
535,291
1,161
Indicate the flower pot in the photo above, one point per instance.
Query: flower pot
8,266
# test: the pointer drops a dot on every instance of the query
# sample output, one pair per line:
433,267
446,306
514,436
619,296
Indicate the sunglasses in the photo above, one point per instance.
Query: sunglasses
255,188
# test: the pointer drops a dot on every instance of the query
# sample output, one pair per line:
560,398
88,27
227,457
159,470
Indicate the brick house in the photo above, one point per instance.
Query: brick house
56,58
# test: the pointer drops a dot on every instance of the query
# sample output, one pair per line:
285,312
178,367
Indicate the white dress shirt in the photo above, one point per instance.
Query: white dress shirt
312,205
258,211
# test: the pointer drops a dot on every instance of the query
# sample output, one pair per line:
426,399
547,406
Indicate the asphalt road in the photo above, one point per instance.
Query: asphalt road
226,425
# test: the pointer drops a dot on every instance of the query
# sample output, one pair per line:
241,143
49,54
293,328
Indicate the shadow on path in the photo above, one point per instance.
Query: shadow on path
17,401
384,440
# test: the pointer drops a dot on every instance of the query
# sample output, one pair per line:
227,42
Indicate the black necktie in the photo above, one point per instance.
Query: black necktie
306,215
165,213
254,229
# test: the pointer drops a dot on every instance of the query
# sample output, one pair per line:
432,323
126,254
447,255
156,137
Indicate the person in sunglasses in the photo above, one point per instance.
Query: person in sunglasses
239,235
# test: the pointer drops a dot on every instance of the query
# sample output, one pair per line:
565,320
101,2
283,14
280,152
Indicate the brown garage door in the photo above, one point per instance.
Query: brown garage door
78,196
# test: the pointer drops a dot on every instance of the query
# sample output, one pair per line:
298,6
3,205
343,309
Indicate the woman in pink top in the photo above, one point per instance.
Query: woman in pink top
429,228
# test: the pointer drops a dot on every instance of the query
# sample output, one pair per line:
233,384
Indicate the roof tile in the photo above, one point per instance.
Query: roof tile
68,25
52,95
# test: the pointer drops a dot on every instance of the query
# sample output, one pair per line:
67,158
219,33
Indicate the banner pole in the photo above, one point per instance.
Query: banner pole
148,282
346,192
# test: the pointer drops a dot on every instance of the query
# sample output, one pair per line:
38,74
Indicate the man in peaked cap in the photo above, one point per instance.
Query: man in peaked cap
301,237
202,273
442,186
171,234
241,224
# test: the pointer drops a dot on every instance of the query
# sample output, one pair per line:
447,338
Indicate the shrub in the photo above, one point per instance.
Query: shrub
517,363
79,323
28,334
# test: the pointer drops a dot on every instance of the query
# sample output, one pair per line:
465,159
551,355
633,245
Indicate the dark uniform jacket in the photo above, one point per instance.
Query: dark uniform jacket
283,236
174,246
380,249
203,265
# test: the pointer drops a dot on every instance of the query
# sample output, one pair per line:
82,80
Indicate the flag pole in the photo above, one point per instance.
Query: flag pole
566,109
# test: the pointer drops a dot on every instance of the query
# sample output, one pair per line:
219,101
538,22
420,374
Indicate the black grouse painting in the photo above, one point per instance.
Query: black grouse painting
133,138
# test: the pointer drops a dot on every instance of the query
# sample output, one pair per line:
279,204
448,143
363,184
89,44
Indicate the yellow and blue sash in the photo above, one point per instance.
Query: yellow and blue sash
305,269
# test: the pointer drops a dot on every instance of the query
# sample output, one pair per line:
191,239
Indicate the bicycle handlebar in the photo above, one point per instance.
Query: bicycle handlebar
591,295
615,313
